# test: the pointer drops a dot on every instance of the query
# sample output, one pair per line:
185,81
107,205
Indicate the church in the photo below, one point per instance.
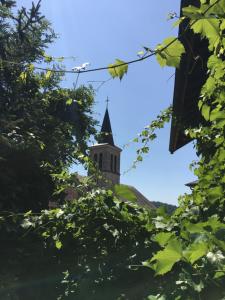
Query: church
106,156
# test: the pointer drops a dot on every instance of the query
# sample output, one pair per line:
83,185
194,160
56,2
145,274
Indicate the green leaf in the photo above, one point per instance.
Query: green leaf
26,224
205,111
213,61
45,234
135,140
116,70
58,244
196,251
23,76
162,238
139,158
28,213
125,192
47,58
169,52
140,53
218,9
192,12
69,101
215,224
220,273
178,22
42,146
209,28
223,179
48,74
165,259
217,115
215,193
31,67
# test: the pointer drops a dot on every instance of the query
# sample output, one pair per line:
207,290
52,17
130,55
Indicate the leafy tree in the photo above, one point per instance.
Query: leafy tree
44,127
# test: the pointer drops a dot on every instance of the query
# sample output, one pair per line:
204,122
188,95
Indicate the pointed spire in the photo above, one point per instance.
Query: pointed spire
106,130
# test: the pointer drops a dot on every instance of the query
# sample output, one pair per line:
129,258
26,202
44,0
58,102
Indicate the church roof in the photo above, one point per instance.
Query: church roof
106,130
140,198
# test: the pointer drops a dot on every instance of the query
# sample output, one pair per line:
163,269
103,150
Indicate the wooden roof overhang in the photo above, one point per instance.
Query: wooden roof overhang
189,79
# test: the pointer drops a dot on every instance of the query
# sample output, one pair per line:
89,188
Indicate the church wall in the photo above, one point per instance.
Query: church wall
110,157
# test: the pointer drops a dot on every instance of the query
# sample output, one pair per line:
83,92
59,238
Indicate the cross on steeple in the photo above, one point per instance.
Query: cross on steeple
107,102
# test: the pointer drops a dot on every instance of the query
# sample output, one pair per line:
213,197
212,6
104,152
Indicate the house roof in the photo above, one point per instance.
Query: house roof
189,79
192,184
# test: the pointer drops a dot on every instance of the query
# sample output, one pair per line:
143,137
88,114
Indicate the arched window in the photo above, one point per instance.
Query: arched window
100,161
115,164
111,163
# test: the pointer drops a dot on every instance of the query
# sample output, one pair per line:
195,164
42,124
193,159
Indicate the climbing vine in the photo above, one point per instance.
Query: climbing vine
99,247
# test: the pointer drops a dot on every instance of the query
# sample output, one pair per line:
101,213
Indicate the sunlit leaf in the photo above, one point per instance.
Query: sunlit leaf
196,251
165,259
58,244
169,52
124,192
48,74
118,69
162,238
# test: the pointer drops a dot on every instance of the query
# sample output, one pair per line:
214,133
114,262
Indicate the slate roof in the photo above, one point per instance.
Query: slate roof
106,130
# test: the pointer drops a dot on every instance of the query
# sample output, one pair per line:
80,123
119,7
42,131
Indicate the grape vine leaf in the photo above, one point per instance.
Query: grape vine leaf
162,238
58,244
118,69
196,251
169,52
124,192
209,28
164,260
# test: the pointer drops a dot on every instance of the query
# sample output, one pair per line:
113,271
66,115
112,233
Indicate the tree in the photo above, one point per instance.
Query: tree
44,127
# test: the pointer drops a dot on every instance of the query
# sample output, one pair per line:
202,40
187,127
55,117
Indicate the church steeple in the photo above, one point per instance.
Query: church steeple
106,130
106,154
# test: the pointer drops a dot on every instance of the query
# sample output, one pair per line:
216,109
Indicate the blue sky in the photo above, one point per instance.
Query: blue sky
99,32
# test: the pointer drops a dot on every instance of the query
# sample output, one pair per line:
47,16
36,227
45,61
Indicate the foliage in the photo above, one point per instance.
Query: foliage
98,241
196,248
149,134
168,207
193,246
44,127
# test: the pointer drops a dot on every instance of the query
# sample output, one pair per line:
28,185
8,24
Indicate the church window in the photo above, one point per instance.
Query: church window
115,164
111,163
100,161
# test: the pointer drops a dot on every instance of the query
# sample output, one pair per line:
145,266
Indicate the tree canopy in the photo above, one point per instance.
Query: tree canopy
44,127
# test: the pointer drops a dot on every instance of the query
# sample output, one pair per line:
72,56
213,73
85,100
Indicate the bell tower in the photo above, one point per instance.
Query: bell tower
105,154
